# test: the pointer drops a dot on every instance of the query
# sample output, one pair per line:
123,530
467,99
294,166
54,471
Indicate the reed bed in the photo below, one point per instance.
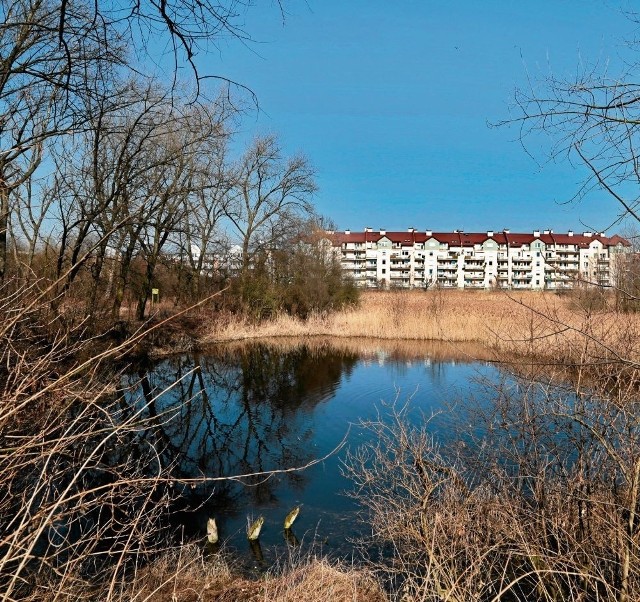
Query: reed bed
379,349
544,325
410,315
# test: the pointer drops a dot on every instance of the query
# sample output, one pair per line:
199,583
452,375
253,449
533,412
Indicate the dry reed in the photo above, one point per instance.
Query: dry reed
526,323
318,579
379,349
437,316
186,575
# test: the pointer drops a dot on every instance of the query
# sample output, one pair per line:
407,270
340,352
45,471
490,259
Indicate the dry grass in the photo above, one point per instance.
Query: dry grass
185,575
372,349
319,580
461,316
543,325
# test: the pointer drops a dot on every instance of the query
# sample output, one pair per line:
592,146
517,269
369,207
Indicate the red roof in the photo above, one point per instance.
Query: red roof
464,239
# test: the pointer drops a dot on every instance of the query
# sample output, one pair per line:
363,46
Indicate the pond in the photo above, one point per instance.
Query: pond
245,409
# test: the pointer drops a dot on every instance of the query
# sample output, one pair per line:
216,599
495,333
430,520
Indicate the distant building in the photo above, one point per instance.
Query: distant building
425,259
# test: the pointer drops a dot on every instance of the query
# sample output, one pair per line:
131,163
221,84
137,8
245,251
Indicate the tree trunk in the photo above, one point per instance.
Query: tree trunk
96,273
76,259
628,545
145,291
4,227
122,280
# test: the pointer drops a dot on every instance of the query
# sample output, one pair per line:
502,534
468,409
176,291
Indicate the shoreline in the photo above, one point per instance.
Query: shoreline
501,326
537,334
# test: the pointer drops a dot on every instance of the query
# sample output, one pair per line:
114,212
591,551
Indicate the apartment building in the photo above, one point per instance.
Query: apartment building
424,259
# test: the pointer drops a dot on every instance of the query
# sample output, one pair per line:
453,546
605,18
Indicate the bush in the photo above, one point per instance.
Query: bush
296,281
591,299
85,492
544,506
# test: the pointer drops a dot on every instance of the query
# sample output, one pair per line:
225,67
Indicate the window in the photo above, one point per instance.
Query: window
384,262
384,271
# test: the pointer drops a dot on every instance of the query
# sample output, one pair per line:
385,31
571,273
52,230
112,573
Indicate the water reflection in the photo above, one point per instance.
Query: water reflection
251,409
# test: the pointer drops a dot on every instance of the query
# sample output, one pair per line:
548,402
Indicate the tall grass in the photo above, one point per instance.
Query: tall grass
535,324
185,574
434,315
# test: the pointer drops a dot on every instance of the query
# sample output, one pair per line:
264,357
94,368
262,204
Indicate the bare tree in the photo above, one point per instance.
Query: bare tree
202,232
177,176
267,190
102,176
32,206
42,75
55,55
592,119
126,184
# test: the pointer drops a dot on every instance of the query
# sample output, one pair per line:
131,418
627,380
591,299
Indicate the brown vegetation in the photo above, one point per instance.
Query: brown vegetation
542,325
84,493
541,506
439,315
376,349
186,575
88,487
320,580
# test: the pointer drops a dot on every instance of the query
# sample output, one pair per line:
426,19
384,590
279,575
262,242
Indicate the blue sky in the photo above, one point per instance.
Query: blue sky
391,103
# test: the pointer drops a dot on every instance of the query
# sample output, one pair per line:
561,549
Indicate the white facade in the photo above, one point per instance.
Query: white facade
540,260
